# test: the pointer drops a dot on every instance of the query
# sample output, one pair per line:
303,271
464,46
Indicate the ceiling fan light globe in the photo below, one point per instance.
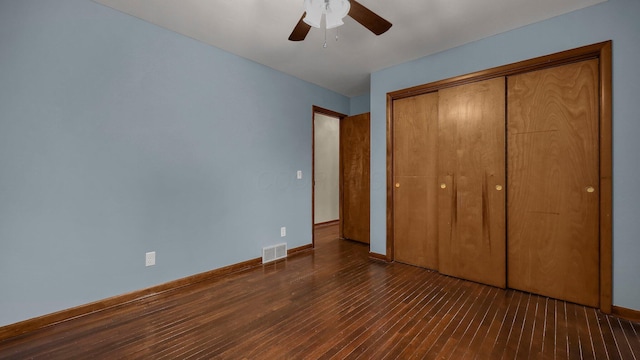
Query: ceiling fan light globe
314,10
336,11
312,21
333,21
339,7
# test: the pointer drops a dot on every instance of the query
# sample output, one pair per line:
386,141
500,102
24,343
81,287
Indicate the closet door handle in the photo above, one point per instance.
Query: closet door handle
499,187
397,185
590,189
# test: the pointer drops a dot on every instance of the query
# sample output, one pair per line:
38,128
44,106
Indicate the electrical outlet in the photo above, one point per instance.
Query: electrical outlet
299,174
150,258
283,231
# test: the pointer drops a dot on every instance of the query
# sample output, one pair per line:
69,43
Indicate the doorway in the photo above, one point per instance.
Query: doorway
326,148
340,173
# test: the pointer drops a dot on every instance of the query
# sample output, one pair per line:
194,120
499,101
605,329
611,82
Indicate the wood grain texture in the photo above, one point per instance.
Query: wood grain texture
63,316
390,248
59,317
336,303
471,200
415,142
594,51
553,201
301,30
606,177
367,18
629,314
415,232
354,165
601,51
415,180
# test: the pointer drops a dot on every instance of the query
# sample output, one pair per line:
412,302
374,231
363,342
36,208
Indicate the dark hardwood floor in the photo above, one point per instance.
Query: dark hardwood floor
336,303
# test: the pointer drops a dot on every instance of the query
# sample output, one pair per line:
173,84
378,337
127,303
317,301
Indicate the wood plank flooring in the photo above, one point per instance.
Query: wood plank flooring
336,303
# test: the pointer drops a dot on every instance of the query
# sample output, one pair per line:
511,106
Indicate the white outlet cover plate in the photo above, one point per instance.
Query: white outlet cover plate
150,258
283,231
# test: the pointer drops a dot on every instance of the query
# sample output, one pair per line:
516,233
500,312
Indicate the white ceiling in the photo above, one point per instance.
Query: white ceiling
258,30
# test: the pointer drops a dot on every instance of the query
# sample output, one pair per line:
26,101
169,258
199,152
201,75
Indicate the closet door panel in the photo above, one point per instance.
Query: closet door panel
471,181
415,236
553,201
415,136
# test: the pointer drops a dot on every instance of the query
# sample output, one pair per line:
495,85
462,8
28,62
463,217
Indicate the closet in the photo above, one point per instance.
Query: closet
503,177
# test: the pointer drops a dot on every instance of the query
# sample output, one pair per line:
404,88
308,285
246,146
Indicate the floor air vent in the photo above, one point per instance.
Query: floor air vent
273,253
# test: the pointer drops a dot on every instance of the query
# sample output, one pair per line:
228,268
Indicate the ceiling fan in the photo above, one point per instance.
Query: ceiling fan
334,11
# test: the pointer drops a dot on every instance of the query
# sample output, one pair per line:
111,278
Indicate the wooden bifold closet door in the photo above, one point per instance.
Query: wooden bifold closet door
415,148
503,177
471,200
553,177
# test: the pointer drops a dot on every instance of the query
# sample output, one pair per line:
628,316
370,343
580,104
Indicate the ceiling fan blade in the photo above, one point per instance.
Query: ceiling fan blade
368,18
300,31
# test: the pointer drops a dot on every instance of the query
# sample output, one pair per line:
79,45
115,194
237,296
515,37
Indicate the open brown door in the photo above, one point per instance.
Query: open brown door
553,182
354,165
471,182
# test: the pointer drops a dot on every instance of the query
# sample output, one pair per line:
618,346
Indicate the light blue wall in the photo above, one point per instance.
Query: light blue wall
360,104
118,137
616,20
